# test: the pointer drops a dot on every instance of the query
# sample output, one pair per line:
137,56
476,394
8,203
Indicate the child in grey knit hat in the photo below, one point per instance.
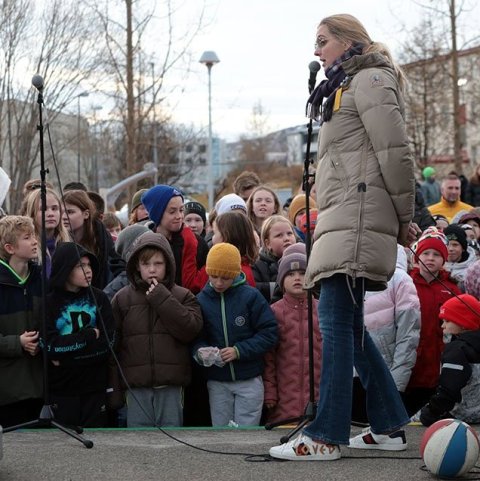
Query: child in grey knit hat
122,245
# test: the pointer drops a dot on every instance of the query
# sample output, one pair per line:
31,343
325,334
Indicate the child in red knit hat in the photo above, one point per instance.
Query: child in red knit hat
434,287
461,320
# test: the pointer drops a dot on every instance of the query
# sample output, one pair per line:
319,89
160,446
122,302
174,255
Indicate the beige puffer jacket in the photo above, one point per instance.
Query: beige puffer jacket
364,181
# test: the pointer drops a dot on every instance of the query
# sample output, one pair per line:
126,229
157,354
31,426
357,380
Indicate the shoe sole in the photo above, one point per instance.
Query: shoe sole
378,447
289,457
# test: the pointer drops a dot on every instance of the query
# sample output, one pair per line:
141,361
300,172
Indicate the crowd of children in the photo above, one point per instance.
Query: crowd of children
184,317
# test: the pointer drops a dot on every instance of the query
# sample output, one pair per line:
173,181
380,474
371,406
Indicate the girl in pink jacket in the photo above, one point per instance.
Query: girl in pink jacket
286,375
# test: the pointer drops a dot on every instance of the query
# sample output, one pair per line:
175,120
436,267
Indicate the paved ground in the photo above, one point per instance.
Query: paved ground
150,455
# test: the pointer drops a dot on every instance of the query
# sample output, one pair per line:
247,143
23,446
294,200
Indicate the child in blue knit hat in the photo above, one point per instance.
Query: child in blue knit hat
165,206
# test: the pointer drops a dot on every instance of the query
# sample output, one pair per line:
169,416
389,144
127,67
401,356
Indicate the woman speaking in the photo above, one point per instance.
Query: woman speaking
365,198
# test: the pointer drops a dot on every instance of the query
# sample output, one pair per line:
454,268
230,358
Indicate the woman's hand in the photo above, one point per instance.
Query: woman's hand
408,233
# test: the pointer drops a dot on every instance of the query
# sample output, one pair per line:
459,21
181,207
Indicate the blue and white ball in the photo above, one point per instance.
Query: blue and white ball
449,448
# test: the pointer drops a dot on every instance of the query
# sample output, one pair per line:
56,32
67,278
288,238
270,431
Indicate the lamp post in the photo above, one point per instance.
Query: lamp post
462,114
95,153
83,94
155,153
209,59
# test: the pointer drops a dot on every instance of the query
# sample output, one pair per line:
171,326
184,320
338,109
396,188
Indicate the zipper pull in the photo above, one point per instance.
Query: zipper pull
338,98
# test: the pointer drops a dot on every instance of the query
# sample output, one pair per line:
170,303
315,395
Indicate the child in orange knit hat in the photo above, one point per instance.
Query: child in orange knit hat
239,328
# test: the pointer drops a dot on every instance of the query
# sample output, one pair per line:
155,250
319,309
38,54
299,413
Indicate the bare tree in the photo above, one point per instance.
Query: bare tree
60,44
433,63
139,70
425,95
255,144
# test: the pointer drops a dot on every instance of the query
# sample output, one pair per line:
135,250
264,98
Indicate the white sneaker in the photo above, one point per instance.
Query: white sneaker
304,448
385,442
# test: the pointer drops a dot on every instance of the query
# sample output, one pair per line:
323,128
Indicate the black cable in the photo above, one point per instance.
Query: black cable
249,457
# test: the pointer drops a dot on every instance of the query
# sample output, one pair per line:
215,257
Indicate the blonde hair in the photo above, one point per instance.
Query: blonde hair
32,205
269,223
347,28
11,227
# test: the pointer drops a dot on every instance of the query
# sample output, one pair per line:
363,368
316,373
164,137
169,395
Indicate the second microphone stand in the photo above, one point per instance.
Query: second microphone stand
311,407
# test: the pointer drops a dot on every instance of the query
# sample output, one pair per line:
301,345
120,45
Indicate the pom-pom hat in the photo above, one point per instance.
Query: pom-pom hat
432,238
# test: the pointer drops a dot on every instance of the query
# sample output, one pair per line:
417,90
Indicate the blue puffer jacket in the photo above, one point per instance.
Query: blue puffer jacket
240,317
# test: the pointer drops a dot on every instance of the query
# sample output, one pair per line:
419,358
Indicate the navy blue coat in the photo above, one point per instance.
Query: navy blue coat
241,318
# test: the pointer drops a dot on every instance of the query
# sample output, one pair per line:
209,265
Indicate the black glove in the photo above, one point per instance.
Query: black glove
428,416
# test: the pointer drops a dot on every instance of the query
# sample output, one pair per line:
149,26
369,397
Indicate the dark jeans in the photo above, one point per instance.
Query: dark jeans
346,344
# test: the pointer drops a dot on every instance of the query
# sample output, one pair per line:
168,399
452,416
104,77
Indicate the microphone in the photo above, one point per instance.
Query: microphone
37,82
314,67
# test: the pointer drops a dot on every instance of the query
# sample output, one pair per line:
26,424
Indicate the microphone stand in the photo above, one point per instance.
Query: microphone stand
46,418
311,407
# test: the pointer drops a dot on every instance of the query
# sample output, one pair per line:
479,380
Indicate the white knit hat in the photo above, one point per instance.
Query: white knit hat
230,202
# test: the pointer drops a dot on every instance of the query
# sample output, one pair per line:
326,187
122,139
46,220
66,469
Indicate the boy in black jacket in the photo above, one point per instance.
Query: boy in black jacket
80,327
21,387
461,319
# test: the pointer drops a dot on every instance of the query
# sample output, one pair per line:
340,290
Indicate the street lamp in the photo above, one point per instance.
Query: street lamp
209,59
155,153
95,153
83,94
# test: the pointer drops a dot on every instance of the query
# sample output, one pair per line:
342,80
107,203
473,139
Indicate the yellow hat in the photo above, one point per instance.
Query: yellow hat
298,203
224,260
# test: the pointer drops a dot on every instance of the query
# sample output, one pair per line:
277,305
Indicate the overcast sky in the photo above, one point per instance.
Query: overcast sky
265,47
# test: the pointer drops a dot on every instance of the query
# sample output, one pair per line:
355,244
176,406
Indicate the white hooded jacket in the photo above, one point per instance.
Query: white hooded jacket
392,318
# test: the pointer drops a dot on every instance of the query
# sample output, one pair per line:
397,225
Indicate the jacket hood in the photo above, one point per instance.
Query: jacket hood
471,337
150,239
267,256
65,258
368,60
238,281
402,261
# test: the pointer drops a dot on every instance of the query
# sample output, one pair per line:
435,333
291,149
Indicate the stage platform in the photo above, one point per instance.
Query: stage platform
148,454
